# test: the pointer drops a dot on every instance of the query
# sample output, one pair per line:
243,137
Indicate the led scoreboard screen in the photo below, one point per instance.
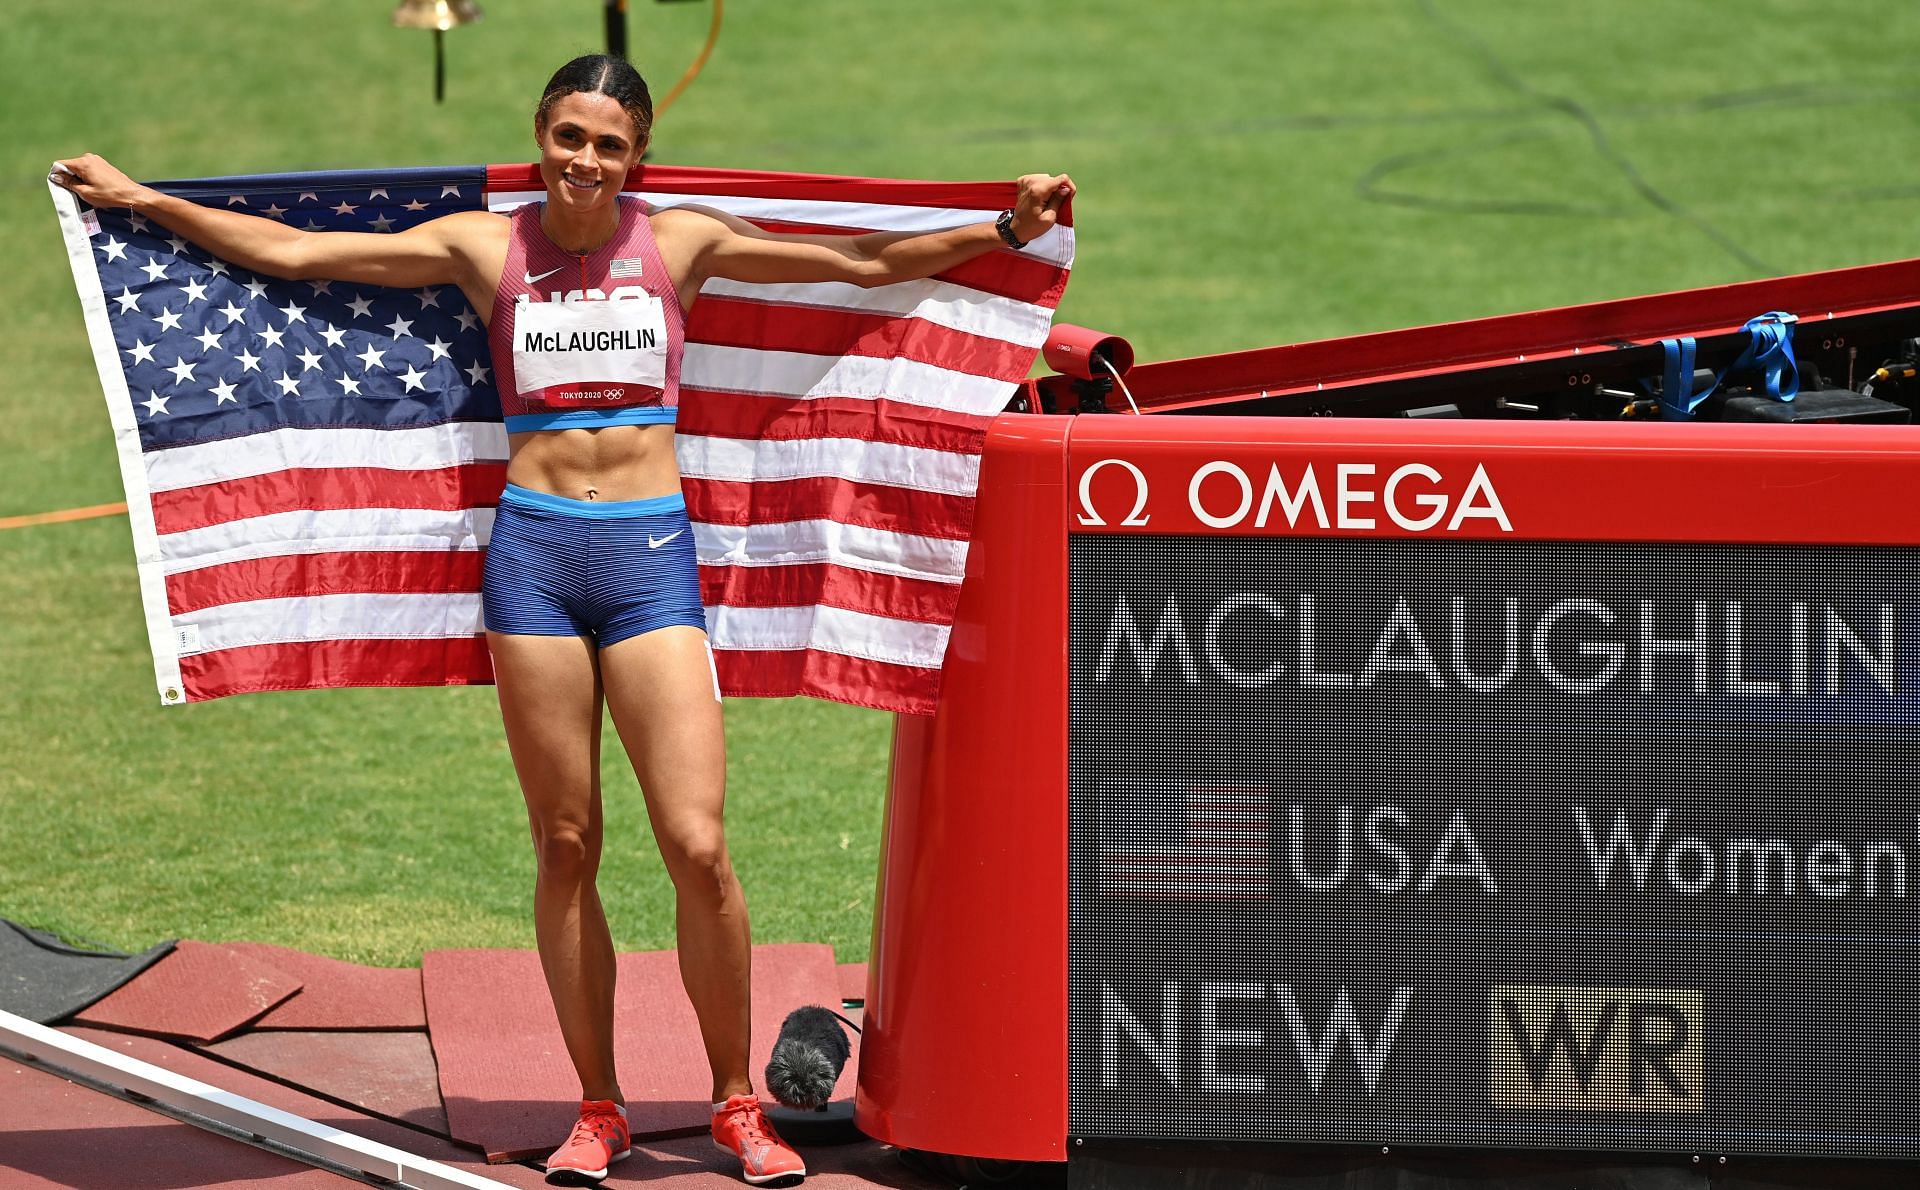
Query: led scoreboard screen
1485,838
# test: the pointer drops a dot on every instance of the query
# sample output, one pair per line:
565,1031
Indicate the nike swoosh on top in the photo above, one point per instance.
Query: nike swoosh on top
543,276
654,543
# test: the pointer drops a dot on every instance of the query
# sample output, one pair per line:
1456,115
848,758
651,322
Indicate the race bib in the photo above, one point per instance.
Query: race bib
591,353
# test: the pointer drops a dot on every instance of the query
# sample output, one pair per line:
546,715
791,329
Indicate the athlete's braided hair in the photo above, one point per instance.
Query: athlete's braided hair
602,74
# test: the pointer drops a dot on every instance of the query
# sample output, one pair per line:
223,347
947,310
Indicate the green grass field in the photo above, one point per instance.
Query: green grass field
1252,172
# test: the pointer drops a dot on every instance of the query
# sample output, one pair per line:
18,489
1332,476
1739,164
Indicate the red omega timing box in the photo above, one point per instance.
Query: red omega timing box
1510,780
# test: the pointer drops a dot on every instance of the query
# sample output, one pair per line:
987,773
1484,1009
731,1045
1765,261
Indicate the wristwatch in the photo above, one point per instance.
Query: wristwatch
1004,225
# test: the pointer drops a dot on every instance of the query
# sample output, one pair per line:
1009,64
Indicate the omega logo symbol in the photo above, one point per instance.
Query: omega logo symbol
1089,516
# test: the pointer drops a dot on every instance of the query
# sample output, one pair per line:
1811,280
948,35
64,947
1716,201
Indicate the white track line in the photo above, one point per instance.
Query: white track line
180,1096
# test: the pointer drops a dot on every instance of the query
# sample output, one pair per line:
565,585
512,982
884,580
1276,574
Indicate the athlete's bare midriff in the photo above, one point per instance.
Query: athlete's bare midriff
609,463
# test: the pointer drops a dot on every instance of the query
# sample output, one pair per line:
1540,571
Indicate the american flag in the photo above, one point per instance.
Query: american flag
311,469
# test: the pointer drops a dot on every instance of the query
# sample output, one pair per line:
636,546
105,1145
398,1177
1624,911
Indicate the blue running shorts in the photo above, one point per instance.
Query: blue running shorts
605,570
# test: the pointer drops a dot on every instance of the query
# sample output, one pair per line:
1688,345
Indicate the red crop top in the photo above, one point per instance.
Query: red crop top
592,340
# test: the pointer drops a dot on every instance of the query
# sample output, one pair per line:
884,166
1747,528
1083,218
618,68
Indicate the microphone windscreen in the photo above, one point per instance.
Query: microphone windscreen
807,1058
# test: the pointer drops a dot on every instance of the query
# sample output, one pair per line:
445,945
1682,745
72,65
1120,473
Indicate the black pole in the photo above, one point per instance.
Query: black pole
617,28
439,67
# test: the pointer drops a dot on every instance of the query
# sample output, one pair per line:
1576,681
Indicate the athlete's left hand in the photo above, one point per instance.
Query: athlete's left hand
1038,207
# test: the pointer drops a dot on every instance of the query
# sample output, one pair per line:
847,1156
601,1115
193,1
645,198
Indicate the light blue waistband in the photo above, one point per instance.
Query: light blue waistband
607,509
566,419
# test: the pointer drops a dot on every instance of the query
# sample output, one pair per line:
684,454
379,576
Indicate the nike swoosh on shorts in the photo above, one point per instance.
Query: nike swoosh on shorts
654,543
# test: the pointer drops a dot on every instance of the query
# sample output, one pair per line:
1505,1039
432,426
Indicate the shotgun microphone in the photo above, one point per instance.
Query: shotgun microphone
808,1058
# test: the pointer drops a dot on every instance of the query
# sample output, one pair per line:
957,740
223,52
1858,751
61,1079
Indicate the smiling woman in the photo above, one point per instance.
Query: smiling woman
590,593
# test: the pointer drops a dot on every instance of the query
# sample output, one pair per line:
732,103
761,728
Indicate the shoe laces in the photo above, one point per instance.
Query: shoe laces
600,1126
752,1121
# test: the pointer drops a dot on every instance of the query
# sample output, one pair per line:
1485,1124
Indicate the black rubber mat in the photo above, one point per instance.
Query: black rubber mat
46,980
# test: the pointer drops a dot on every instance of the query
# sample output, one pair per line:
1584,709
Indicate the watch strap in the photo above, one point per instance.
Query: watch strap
1004,225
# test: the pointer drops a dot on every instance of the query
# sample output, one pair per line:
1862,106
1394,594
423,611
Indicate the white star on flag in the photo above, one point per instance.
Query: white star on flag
310,359
379,193
257,288
429,297
114,248
216,265
468,320
371,359
416,205
345,208
399,326
236,199
275,210
294,313
196,292
361,306
449,192
128,300
334,336
177,244
319,287
208,339
154,270
272,336
249,362
141,353
477,373
350,386
168,320
288,385
381,224
307,196
413,378
438,348
138,221
234,313
156,404
182,372
223,393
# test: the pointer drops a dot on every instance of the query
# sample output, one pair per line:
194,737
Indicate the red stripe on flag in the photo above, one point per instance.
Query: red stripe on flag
369,572
316,665
766,673
816,330
824,583
319,488
829,498
721,414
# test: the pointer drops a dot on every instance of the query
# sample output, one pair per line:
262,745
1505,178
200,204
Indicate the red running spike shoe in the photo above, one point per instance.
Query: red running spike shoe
599,1138
741,1128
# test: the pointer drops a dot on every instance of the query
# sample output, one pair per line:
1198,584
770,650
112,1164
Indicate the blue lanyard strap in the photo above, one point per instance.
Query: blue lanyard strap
1769,348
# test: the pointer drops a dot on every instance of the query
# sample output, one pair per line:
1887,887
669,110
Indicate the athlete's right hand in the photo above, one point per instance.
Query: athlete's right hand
93,179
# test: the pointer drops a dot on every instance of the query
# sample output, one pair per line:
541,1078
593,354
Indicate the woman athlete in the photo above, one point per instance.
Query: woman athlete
590,591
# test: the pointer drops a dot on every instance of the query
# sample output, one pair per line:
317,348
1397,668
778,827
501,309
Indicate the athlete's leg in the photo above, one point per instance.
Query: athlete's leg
550,700
659,687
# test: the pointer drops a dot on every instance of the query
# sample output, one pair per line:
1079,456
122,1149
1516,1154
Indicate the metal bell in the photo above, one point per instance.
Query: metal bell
438,15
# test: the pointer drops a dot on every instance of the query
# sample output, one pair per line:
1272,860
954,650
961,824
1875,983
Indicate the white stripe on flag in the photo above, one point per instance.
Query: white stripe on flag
792,374
834,629
345,530
787,543
743,460
1055,247
335,617
147,551
424,448
940,302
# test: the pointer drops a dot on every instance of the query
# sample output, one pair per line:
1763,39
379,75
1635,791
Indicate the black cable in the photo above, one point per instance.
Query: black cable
1370,188
1572,108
